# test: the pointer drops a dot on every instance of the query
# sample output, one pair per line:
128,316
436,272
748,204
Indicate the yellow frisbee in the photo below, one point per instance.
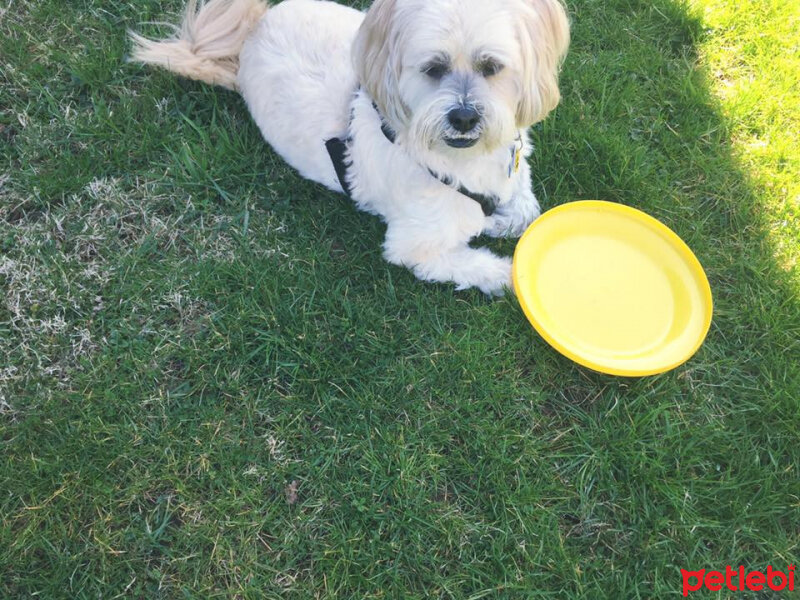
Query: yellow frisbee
612,288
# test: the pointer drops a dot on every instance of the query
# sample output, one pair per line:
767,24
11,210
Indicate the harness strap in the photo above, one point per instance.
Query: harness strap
337,148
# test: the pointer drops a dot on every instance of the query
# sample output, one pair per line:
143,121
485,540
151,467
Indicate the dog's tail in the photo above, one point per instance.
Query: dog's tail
206,46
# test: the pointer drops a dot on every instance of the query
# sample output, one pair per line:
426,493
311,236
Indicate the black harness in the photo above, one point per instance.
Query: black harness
337,148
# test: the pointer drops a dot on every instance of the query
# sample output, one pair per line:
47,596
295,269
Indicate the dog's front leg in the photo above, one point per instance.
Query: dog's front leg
434,245
512,218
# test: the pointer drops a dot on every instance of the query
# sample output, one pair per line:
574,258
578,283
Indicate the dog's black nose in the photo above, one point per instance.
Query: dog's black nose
463,119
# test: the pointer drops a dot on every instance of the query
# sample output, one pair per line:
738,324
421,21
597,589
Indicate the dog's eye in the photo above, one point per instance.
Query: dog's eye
489,67
436,70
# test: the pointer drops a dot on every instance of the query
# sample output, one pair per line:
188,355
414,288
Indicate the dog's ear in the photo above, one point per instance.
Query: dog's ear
544,38
376,59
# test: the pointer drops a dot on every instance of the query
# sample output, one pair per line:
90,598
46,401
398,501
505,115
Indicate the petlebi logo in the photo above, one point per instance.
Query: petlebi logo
738,580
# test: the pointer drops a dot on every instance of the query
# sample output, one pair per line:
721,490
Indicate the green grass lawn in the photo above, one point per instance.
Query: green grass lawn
212,385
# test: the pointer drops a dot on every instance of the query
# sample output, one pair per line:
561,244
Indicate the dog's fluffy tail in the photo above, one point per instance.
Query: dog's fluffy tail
206,46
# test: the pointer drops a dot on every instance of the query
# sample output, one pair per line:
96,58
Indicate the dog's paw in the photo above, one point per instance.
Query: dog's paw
513,218
488,272
466,267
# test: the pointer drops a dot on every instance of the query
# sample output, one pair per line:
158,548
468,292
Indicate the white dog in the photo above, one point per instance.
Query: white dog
418,110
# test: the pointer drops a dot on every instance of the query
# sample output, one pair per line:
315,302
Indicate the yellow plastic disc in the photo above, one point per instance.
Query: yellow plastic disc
612,288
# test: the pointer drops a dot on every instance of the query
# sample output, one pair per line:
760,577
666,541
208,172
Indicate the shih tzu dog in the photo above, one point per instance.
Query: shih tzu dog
418,109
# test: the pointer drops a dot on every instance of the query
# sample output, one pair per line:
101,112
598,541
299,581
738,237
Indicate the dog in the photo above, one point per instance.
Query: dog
418,109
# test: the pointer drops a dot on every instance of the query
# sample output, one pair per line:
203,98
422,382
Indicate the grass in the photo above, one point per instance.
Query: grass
212,386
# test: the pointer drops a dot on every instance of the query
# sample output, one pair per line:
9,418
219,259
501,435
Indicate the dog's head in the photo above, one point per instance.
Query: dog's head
462,73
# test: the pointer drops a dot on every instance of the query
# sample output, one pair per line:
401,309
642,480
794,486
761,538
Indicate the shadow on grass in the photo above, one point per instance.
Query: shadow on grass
434,445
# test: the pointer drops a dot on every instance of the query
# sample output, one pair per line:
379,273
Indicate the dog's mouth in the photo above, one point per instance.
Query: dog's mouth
460,142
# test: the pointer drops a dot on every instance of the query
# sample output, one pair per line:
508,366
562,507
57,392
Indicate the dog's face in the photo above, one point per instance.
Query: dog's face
458,74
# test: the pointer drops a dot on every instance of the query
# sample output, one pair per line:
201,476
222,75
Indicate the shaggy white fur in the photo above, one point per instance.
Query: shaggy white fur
457,81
